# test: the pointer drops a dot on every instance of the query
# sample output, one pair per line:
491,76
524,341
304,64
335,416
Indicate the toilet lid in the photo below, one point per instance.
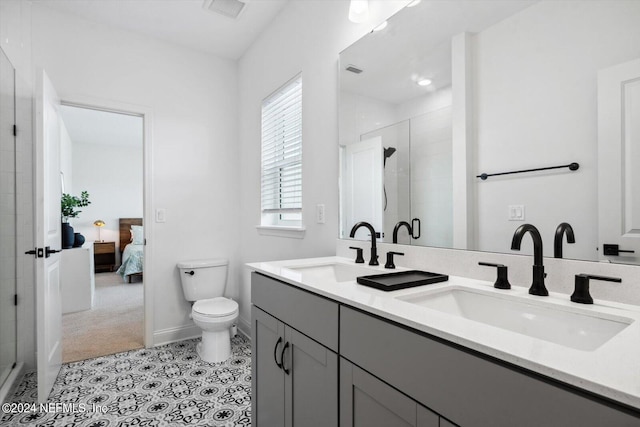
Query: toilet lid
215,307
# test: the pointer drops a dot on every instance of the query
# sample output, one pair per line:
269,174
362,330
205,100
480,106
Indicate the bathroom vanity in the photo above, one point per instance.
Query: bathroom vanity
329,352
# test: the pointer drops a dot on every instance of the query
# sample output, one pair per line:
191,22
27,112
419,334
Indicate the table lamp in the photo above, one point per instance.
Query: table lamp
99,223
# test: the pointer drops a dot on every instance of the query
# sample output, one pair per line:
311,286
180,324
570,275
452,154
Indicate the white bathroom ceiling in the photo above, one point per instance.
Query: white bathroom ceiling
87,126
417,44
184,22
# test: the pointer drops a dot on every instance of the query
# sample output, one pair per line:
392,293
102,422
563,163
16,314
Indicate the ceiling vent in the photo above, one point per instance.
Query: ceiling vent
228,8
353,69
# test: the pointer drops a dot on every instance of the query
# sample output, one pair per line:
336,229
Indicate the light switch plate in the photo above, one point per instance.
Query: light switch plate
320,219
161,215
516,212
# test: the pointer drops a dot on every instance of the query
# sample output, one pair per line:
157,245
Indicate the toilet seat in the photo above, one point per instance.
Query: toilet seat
215,307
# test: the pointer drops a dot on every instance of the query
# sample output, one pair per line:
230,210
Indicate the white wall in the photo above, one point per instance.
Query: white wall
306,36
113,176
360,114
548,55
194,157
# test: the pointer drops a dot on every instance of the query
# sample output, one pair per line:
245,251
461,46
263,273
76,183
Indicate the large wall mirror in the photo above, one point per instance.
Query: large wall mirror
445,91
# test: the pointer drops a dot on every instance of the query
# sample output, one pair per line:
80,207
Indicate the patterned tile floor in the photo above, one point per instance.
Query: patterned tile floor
162,386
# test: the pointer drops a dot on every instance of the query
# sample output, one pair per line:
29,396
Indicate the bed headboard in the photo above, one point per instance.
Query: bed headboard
125,230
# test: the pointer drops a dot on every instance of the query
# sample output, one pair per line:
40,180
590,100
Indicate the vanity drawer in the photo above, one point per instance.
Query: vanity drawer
469,390
314,316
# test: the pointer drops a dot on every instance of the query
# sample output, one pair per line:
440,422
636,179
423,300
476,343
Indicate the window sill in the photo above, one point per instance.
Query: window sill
281,231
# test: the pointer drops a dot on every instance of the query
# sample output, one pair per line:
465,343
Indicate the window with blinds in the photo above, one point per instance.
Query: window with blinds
281,185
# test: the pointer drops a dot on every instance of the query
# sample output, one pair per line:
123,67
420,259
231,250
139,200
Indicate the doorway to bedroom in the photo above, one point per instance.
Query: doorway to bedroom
102,278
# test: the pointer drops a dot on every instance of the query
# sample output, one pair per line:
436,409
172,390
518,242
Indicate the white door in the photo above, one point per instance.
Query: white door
619,161
363,186
48,235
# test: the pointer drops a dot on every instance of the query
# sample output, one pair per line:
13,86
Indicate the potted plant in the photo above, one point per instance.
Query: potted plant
68,208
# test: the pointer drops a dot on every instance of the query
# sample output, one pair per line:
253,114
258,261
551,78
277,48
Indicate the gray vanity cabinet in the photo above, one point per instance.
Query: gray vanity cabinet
268,337
365,401
295,377
463,386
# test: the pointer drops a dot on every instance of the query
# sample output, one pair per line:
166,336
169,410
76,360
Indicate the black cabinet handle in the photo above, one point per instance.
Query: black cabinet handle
415,221
286,371
275,353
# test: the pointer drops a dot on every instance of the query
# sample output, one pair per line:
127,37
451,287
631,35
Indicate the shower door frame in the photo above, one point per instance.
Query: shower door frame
6,374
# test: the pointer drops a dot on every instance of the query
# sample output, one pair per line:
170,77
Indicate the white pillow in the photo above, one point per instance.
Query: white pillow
137,235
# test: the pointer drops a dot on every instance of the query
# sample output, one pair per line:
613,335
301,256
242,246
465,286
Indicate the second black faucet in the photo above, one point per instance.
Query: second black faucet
537,286
374,249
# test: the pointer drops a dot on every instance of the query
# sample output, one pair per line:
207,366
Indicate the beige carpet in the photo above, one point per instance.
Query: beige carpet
113,325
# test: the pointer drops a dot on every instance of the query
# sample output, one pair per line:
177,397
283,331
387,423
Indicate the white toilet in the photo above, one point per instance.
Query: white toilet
203,283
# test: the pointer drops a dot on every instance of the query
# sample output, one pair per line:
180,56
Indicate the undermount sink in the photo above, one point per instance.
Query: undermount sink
581,330
334,272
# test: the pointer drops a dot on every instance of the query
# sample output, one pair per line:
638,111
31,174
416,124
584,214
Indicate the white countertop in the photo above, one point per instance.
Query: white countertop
611,370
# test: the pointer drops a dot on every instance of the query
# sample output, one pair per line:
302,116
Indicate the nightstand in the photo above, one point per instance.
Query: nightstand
104,256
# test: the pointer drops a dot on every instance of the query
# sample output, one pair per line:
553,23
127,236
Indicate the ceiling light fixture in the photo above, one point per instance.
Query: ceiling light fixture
381,26
359,11
414,3
424,82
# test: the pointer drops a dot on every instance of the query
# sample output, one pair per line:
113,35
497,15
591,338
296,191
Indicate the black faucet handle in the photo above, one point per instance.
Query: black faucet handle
581,291
502,281
359,257
390,255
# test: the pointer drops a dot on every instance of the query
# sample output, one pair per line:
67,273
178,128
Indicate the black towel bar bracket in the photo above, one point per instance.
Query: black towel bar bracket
572,166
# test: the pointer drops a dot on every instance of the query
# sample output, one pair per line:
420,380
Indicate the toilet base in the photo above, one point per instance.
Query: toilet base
215,347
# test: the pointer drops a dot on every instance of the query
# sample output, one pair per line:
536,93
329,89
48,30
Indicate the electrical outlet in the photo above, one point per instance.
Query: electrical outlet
320,214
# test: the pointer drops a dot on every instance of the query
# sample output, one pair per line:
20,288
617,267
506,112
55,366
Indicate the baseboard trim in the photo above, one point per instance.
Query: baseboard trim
180,333
245,327
11,382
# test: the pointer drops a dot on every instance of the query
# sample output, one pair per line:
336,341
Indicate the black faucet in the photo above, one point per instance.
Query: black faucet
537,287
557,241
398,227
374,249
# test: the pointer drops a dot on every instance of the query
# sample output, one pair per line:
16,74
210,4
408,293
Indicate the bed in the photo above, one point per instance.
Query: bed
131,248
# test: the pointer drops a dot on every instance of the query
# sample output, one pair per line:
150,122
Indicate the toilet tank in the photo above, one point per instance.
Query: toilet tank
203,279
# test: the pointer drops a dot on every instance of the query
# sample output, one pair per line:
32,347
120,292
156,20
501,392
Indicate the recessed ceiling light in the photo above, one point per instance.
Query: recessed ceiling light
381,26
414,3
358,11
424,82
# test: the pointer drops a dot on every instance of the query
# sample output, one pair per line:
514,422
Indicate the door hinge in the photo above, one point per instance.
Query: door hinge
15,299
15,130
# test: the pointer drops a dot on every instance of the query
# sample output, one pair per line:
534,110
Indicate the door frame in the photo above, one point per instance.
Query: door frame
614,212
146,113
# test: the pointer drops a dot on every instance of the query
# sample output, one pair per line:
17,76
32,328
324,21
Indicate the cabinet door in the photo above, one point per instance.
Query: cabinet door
267,377
446,423
365,401
311,385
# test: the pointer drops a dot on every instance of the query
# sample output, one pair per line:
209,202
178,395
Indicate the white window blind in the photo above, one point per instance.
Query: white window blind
281,185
